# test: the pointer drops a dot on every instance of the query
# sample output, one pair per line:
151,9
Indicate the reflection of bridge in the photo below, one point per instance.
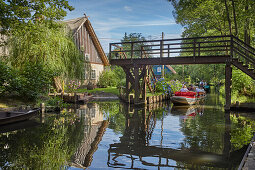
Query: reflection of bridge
135,146
135,57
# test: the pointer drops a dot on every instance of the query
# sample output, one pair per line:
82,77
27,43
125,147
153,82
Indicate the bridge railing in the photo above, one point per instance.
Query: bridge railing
188,47
243,52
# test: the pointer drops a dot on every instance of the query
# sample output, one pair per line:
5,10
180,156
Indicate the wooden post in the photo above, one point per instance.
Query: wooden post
228,77
110,51
194,50
168,50
132,49
137,89
144,85
127,88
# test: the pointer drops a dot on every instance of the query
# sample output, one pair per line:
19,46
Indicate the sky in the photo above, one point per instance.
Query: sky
112,18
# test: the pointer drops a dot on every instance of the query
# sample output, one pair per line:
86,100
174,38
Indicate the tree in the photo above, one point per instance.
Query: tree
215,17
37,40
16,12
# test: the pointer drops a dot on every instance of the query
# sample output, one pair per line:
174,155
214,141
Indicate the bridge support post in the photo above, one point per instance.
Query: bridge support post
135,81
228,82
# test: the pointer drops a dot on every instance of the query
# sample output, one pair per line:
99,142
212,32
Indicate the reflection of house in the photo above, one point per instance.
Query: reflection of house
158,70
87,42
93,133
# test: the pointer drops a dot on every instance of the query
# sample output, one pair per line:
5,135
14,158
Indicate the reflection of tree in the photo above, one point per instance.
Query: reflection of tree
48,146
242,130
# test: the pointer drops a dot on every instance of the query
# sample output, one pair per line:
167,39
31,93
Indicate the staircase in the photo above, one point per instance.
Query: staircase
243,57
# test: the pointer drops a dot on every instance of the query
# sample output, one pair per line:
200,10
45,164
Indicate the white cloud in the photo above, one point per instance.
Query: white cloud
128,8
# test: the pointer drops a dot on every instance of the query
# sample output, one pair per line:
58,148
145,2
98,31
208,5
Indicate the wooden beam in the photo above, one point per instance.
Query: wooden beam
172,60
228,77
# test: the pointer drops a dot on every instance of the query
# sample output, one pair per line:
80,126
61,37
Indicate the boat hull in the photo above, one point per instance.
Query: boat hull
15,116
183,100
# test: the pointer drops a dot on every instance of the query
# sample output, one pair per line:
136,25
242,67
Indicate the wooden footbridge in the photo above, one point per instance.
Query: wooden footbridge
137,57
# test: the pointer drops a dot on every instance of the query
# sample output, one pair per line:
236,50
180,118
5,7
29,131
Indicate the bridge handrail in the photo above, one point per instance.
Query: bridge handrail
176,39
197,45
243,51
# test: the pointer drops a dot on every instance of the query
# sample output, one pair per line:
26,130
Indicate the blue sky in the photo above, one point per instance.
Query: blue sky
112,18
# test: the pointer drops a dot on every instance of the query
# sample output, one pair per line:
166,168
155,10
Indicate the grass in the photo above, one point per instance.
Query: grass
148,94
113,90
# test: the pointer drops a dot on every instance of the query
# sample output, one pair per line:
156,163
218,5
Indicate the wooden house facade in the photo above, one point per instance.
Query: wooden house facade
87,42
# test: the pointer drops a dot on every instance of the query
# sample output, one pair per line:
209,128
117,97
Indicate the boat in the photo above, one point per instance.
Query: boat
207,88
8,117
187,98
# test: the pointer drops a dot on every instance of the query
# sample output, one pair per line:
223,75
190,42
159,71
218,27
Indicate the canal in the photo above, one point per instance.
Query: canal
107,135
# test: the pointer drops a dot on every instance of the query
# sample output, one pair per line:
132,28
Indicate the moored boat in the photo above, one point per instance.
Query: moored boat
186,98
8,117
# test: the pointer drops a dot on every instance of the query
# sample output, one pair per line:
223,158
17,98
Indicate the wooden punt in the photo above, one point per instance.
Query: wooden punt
9,117
187,98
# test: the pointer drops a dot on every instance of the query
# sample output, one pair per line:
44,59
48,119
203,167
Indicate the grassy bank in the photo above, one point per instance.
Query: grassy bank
112,90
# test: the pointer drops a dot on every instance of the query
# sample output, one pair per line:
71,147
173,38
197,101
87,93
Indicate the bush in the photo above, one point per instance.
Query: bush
73,85
163,86
33,80
107,78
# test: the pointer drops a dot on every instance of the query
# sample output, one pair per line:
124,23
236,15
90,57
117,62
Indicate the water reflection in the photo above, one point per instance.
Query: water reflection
115,135
194,149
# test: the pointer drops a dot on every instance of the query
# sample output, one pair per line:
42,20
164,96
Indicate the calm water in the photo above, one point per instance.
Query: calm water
114,135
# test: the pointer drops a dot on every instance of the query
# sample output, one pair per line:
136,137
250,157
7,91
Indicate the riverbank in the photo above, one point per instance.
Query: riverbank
250,107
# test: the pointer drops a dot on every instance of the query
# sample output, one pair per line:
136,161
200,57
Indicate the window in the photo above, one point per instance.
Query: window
87,57
159,69
93,74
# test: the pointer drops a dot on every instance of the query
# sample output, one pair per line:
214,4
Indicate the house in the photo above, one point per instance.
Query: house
158,70
87,42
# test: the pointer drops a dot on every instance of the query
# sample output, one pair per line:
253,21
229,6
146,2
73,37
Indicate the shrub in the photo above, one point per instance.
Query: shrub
107,78
163,86
175,85
73,85
29,82
35,79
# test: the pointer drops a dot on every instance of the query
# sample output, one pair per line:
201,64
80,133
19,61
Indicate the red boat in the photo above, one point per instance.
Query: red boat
186,98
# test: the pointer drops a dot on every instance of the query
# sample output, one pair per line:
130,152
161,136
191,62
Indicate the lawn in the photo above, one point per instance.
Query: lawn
113,90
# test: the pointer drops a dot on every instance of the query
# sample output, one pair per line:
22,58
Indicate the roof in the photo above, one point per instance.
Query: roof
75,25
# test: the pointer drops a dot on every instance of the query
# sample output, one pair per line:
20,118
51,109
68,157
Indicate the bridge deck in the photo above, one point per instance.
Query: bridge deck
221,59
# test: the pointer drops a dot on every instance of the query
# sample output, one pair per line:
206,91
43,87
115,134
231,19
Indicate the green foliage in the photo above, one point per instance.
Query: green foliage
15,13
35,79
53,47
48,146
112,90
7,77
73,85
29,82
120,75
242,83
163,86
56,102
175,85
242,131
107,78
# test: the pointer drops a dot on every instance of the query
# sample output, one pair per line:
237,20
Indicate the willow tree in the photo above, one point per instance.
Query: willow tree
51,46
